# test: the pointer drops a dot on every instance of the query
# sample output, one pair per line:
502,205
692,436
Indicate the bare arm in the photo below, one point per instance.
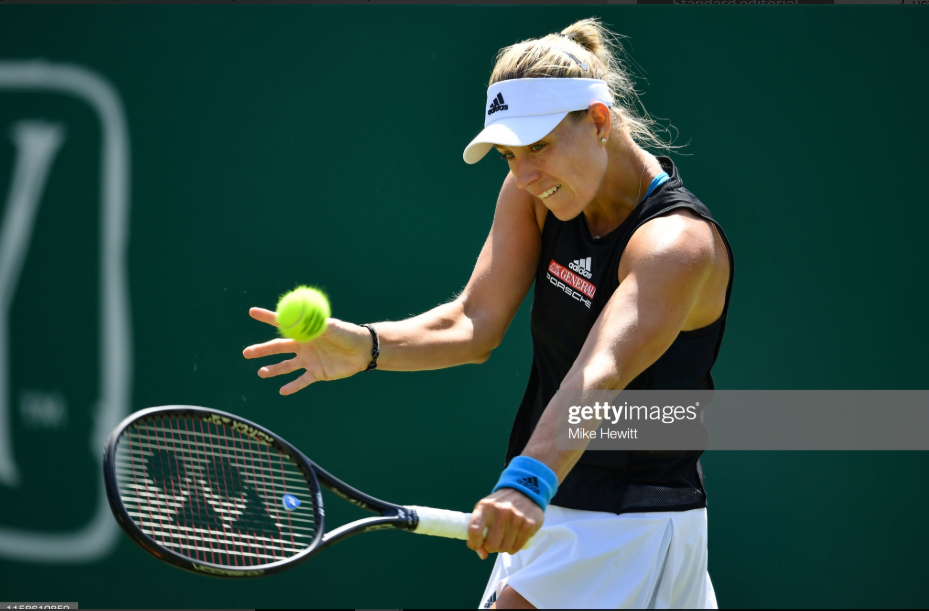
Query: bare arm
665,266
464,330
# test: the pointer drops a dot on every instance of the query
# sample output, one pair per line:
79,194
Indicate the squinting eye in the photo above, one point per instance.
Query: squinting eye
506,156
537,147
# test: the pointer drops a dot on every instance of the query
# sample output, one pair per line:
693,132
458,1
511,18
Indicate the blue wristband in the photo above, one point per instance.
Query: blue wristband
532,478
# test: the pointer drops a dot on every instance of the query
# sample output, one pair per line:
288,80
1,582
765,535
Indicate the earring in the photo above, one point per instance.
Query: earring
603,140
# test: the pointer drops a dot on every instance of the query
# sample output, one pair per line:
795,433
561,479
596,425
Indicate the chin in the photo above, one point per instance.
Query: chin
565,213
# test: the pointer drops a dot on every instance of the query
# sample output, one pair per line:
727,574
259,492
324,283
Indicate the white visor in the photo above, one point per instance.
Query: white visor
522,111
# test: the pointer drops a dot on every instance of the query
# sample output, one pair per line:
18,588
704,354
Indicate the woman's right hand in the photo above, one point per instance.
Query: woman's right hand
340,351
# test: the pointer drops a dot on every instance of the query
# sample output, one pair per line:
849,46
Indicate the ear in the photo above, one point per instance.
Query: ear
599,114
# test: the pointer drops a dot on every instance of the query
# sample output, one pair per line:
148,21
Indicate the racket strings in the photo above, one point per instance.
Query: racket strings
213,494
202,450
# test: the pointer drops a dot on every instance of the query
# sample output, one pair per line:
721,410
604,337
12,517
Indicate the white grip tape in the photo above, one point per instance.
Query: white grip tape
445,523
442,523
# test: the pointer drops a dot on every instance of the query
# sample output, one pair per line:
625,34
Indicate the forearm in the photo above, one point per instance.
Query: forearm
445,336
542,445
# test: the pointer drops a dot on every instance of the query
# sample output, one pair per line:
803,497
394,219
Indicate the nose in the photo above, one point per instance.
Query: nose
525,172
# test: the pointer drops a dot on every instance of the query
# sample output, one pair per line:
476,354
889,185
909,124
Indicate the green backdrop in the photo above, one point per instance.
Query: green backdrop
276,145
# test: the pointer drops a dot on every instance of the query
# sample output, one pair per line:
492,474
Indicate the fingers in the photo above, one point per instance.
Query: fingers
263,315
298,384
495,527
528,529
281,368
497,532
504,522
275,346
514,528
476,529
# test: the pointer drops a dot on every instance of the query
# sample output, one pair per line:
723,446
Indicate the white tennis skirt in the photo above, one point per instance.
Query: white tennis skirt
596,560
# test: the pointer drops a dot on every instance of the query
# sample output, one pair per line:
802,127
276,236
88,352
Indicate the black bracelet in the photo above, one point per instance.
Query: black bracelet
376,350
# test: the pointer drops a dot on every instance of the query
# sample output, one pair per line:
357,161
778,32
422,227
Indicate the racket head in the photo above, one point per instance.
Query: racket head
204,490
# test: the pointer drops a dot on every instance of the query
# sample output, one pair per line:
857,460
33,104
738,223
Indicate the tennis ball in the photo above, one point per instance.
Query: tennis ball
302,313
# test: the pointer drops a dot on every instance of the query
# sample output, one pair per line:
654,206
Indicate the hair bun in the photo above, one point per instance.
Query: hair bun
596,53
588,33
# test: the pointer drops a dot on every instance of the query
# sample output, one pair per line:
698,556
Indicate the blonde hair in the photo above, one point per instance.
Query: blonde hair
561,55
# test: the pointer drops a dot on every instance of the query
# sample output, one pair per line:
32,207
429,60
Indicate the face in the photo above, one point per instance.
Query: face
565,169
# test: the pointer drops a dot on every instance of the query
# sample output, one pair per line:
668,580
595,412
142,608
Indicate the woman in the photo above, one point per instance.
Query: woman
632,282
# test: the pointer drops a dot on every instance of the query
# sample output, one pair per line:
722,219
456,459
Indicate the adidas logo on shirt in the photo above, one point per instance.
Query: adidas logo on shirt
581,267
529,482
497,105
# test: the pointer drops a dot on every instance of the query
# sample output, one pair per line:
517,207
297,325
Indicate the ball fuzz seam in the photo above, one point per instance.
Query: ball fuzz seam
302,313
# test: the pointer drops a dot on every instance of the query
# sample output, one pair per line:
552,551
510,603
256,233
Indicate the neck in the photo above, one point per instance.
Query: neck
630,170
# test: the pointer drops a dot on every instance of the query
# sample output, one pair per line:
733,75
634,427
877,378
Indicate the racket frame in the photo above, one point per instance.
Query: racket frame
389,516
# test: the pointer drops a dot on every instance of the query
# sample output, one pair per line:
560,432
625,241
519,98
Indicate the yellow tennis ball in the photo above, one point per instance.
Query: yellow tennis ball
302,313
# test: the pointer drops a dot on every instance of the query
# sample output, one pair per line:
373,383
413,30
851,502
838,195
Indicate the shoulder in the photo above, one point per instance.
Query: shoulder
512,197
680,242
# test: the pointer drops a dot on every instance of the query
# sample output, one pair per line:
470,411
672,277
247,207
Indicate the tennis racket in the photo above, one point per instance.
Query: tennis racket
215,494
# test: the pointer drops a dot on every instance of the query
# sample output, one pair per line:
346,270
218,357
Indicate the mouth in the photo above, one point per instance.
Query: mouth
549,192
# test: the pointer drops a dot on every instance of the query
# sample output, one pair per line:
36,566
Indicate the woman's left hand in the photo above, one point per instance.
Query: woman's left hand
511,519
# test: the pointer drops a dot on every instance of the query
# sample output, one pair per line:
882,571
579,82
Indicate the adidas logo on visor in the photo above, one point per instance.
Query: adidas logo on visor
497,105
582,267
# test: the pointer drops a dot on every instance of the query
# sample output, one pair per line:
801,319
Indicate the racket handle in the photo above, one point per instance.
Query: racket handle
445,523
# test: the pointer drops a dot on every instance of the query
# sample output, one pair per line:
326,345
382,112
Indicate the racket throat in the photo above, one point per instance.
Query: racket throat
399,519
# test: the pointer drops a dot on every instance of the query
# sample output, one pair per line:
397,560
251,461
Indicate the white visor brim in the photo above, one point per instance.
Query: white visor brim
520,112
512,131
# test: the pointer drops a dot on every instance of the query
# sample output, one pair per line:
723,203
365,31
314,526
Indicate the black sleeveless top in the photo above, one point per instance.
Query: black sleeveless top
576,277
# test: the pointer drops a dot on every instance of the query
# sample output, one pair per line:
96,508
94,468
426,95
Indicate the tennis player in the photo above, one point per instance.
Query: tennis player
632,282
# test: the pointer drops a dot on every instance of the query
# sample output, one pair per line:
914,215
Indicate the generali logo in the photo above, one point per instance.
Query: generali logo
571,284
